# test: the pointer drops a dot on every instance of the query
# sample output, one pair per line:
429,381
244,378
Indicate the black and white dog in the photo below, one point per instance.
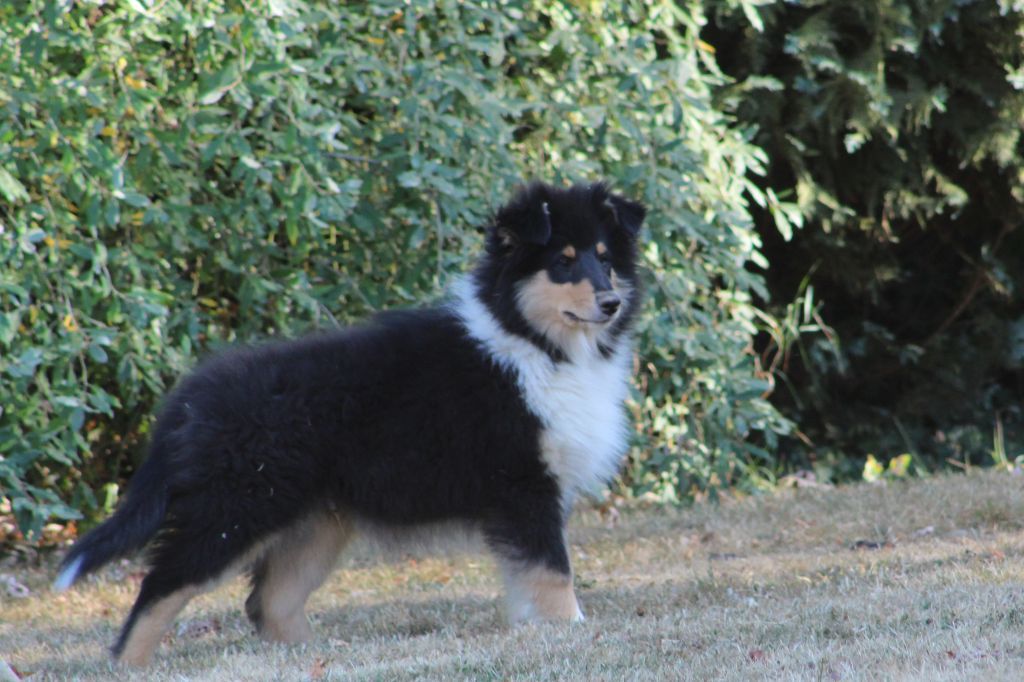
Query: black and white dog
491,412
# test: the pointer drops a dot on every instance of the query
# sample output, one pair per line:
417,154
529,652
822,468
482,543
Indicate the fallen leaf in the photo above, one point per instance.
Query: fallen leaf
803,479
14,588
319,669
609,514
194,629
756,655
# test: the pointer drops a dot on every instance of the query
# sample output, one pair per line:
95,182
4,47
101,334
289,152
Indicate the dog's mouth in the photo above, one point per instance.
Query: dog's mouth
573,317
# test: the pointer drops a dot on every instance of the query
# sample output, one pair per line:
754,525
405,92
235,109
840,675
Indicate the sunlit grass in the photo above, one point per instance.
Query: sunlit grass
918,579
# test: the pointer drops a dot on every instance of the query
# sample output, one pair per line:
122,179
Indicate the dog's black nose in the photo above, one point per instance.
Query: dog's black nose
609,302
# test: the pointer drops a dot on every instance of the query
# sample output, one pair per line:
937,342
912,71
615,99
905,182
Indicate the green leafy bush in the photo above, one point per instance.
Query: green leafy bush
896,129
180,175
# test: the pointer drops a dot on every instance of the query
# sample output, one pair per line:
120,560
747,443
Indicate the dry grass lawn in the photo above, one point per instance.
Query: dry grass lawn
919,579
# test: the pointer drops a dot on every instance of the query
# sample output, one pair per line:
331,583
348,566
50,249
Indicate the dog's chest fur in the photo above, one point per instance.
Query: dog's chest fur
579,402
581,407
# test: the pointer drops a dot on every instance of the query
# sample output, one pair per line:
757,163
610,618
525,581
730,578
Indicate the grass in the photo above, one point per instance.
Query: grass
919,579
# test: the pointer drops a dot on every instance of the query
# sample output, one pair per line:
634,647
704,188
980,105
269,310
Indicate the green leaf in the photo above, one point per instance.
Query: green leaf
9,327
410,179
10,188
212,87
97,353
25,365
136,199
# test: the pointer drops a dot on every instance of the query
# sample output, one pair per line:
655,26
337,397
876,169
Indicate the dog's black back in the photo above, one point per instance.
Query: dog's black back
404,420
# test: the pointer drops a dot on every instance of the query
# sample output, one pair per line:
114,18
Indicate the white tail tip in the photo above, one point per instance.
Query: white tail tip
67,577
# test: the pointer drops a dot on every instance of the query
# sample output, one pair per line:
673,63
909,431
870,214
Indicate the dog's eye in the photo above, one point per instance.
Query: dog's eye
564,261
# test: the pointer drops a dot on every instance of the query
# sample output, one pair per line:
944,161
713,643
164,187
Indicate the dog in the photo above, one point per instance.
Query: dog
492,411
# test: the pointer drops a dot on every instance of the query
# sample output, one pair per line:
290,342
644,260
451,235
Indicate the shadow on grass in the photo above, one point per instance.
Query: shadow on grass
197,649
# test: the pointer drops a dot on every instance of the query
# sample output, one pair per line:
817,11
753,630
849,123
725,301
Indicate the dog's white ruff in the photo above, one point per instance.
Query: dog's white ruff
579,402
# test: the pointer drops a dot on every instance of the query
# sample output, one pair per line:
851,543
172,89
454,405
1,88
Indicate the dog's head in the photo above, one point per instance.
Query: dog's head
568,259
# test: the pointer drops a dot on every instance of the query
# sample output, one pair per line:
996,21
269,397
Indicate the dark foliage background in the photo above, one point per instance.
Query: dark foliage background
896,128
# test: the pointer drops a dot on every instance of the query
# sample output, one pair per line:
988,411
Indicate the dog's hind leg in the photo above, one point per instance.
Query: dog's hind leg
161,598
292,568
183,565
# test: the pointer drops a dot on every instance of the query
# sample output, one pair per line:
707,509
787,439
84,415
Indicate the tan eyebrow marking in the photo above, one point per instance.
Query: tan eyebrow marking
601,249
569,252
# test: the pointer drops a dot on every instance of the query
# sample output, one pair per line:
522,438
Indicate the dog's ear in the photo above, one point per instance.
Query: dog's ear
627,214
524,222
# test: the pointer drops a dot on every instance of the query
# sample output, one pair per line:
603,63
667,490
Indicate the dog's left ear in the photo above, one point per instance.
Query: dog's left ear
629,215
526,222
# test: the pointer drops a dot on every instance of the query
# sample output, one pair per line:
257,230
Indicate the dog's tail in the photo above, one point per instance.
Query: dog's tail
132,525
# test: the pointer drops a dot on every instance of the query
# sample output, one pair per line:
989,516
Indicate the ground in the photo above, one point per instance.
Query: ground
916,579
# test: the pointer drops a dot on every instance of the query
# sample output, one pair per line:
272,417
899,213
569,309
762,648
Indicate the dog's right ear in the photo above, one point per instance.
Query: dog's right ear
524,222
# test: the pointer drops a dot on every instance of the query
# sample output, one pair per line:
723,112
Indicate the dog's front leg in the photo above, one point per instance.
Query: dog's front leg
533,555
538,592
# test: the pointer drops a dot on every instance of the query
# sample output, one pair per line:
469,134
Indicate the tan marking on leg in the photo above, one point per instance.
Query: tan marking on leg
601,249
569,251
297,565
539,593
151,625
